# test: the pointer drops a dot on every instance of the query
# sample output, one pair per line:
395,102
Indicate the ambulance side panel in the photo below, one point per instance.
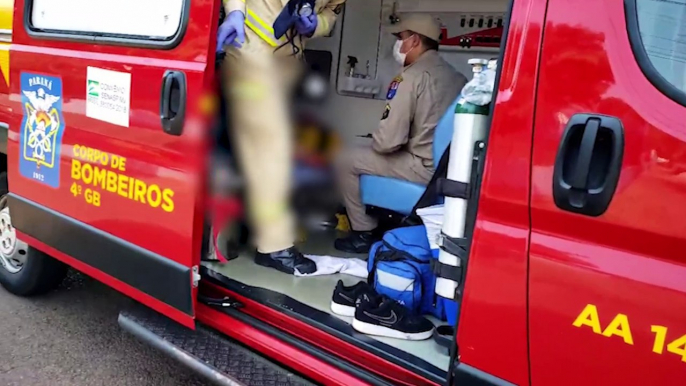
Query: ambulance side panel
608,290
114,194
6,14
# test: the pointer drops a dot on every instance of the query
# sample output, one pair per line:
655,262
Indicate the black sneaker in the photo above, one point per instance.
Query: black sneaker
343,299
383,316
356,242
286,261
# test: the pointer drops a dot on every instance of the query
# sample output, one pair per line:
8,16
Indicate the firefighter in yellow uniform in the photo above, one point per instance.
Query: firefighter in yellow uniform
259,73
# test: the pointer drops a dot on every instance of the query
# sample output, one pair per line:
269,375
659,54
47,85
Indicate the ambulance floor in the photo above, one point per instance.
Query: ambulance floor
315,292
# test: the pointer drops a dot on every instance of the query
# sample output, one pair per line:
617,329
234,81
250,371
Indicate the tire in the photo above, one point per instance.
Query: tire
24,270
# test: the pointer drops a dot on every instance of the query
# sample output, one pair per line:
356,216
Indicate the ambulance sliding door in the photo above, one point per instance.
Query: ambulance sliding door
606,271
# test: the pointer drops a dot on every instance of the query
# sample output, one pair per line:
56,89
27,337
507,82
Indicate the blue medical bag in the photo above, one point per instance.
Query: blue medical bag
400,267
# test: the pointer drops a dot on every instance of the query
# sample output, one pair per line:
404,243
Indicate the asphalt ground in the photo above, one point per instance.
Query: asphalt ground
71,337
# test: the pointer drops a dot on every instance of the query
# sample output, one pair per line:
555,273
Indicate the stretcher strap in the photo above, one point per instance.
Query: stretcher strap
446,271
456,247
454,189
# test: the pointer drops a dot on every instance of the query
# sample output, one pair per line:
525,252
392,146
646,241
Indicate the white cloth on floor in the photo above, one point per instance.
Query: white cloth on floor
329,265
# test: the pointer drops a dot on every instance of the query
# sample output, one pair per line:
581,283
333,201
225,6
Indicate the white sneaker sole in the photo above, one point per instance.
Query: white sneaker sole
342,310
372,329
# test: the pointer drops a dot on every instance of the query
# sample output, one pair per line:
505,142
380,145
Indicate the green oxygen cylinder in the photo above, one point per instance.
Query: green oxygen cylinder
470,126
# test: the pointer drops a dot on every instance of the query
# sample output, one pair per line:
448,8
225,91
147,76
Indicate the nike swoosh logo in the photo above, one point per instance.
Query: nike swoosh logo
347,298
388,320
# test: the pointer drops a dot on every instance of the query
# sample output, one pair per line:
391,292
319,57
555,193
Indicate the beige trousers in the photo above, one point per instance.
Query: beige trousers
364,160
257,84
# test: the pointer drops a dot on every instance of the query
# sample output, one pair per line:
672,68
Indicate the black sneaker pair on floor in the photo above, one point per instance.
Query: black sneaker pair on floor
378,315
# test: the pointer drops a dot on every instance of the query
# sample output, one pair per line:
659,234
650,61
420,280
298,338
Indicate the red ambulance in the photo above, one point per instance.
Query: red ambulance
576,273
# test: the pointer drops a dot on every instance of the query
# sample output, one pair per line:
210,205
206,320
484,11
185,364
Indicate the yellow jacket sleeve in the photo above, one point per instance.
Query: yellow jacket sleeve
326,17
234,5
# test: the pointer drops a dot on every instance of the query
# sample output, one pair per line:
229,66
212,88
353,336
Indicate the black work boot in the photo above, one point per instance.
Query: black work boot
286,261
356,242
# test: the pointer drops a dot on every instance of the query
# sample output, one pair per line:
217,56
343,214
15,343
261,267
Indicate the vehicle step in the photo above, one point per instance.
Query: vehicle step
218,358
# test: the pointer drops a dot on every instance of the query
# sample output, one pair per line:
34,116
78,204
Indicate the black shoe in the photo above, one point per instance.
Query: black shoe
286,261
343,300
356,242
383,316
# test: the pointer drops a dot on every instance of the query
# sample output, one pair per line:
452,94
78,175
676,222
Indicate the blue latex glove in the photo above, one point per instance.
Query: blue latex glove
306,25
232,31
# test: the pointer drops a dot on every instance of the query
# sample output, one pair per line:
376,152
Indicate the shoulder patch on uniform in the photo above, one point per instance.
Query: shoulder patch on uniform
393,88
338,9
386,111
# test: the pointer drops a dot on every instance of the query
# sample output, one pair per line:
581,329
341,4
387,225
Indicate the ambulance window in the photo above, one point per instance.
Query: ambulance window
159,20
657,29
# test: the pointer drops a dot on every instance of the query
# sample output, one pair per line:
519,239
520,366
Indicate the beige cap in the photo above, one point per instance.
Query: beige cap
421,23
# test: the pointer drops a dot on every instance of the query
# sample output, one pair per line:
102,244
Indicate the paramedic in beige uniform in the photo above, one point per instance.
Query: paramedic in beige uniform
402,145
258,74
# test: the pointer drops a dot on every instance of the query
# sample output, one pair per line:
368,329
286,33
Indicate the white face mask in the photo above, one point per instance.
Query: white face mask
399,56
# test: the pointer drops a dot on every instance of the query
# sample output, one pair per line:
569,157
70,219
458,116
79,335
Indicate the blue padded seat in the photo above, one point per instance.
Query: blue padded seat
390,193
399,195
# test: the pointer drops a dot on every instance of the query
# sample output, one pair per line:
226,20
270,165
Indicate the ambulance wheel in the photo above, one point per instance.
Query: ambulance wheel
24,271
